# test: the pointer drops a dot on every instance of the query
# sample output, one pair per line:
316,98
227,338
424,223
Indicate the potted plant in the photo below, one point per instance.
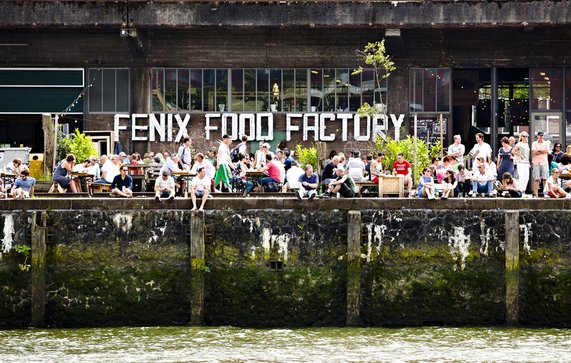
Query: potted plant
375,55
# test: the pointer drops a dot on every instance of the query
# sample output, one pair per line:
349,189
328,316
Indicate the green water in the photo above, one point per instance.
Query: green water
228,344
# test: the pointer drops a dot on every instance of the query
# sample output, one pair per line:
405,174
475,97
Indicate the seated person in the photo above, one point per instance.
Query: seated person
24,185
426,184
308,183
356,167
328,173
554,189
377,168
2,190
122,184
292,177
463,177
62,174
273,171
481,182
402,167
344,184
164,187
449,184
510,186
200,187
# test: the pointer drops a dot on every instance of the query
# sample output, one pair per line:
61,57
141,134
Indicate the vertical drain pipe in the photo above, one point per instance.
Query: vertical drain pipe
197,268
353,268
512,267
38,269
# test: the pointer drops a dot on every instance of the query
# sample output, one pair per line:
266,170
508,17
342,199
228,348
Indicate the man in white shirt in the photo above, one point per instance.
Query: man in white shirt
109,170
481,181
164,187
184,152
201,162
224,163
481,149
292,177
457,150
200,187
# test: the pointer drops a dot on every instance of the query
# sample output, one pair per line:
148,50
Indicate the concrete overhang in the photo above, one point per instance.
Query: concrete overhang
394,14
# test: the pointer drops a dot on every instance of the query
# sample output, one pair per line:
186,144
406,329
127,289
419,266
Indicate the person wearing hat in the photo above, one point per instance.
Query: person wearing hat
344,184
521,152
224,164
539,163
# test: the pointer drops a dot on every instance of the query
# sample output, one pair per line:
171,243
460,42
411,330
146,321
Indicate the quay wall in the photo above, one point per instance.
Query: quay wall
277,262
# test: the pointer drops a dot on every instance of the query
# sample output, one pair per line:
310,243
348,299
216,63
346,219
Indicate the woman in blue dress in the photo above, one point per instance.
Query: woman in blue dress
426,185
505,159
62,174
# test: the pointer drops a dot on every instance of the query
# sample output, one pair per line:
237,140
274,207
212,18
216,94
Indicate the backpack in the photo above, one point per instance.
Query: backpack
234,154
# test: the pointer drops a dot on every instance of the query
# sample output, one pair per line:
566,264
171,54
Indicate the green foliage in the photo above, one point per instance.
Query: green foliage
77,144
24,251
306,156
375,55
391,148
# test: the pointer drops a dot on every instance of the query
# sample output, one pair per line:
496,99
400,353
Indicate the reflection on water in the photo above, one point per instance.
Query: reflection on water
228,344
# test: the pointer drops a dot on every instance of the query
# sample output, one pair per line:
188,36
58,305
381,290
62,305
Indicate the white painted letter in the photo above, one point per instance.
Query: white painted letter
270,118
307,128
135,127
156,126
289,126
208,127
182,132
357,129
397,124
117,127
224,128
344,117
322,127
251,118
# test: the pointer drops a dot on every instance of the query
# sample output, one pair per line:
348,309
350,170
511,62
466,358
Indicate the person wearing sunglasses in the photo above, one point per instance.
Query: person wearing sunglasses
122,184
554,189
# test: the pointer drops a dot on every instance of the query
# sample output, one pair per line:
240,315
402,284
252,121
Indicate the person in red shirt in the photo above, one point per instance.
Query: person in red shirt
272,170
402,167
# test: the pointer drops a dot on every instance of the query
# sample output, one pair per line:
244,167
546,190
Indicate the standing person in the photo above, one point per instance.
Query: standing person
122,184
457,150
540,165
402,167
308,183
184,152
521,152
557,152
200,187
243,146
505,159
481,149
24,185
224,164
260,155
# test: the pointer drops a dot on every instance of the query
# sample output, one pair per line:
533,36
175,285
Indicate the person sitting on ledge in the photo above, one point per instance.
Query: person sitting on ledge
308,183
62,174
328,173
24,185
426,184
164,187
122,184
481,182
449,185
510,186
554,189
344,184
200,187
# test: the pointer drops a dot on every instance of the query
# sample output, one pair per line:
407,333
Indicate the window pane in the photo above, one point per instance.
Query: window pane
157,101
415,103
429,90
222,89
289,90
546,89
122,90
568,89
276,80
237,90
250,90
208,87
170,89
301,89
354,92
96,90
183,89
263,90
196,89
443,89
316,90
342,90
368,85
329,90
108,90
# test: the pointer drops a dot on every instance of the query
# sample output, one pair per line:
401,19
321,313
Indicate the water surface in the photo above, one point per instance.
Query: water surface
229,344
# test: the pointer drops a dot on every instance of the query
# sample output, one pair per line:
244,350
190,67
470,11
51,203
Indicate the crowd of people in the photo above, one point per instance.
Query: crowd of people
227,169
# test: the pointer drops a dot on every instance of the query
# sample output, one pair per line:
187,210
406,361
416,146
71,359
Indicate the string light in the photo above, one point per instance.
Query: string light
76,101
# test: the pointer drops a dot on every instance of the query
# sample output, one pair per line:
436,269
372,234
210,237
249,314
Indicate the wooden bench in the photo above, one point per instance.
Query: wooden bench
100,188
364,185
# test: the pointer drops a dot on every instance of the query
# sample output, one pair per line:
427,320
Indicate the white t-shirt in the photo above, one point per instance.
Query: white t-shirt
293,175
206,164
223,156
111,169
453,149
163,184
551,183
201,184
482,151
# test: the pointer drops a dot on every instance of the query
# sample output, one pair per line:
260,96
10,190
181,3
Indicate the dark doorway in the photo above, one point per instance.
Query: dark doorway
513,102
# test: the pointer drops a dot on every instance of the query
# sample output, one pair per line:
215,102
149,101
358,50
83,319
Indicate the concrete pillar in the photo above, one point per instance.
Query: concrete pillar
38,269
48,127
512,267
140,103
353,267
197,267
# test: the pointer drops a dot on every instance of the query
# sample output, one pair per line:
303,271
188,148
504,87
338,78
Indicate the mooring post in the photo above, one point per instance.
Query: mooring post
197,268
38,269
512,267
353,267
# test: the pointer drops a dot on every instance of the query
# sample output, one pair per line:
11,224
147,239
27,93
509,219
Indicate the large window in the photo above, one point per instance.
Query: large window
546,89
263,90
109,91
429,90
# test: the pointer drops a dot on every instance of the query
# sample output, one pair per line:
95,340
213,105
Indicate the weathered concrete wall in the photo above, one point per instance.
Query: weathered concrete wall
270,263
